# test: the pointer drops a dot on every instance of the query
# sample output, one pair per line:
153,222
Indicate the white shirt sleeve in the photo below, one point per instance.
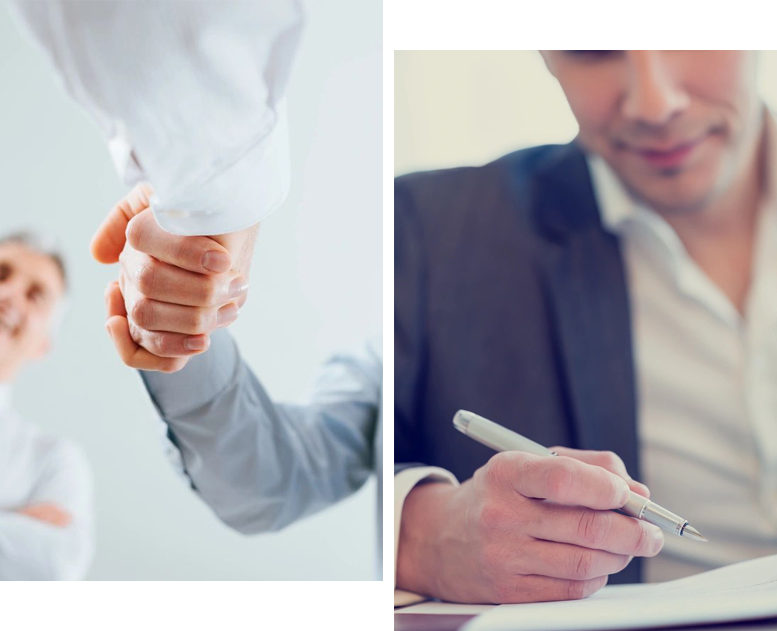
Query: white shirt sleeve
31,549
190,96
404,482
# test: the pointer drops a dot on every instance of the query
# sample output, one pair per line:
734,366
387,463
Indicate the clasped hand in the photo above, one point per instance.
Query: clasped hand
172,290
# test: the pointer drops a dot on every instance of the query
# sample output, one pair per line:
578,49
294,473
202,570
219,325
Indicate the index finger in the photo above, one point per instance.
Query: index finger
565,480
193,253
607,460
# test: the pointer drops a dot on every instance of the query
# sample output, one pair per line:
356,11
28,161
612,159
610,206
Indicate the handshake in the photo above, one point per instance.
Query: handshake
173,291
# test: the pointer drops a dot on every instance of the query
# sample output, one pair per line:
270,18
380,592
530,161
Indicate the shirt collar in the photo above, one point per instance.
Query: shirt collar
618,208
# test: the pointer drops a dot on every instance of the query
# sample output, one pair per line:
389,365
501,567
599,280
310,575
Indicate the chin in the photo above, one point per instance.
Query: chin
676,193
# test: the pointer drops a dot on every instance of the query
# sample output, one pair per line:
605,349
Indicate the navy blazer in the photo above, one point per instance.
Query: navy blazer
510,301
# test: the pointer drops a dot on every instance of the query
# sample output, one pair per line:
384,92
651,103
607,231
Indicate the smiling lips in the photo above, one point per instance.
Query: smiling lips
10,320
671,156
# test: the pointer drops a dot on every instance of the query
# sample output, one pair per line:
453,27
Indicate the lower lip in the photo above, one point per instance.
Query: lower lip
668,159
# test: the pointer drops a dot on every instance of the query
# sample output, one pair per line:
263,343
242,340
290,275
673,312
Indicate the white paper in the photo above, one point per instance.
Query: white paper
743,591
437,608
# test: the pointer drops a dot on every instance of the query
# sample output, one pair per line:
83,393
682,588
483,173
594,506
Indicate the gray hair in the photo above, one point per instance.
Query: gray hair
42,243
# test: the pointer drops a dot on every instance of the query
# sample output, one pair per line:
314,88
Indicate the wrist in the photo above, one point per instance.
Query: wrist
423,513
240,245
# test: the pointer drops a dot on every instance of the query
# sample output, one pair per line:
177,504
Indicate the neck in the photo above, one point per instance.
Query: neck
720,237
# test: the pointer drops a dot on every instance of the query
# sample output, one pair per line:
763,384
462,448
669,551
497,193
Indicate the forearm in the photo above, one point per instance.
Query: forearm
31,549
257,464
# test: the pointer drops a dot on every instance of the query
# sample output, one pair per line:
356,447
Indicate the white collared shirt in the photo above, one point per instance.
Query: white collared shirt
40,468
706,383
190,96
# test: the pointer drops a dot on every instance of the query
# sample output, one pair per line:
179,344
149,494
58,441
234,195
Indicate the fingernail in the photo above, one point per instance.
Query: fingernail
237,287
198,343
645,489
227,314
657,541
108,329
216,261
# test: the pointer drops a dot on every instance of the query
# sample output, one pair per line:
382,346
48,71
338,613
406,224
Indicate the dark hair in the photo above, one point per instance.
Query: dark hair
40,243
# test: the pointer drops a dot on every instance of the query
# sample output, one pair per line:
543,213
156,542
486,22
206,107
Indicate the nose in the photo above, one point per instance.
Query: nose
653,95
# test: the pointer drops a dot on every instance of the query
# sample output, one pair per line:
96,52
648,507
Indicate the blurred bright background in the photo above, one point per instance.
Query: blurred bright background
316,288
455,108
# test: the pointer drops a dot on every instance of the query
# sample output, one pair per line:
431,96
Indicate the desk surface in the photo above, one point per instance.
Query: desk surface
453,622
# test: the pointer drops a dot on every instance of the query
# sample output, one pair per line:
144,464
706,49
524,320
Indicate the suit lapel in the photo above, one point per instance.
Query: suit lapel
590,306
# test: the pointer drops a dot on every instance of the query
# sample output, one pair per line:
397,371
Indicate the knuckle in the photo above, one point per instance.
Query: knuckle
140,312
184,250
560,478
642,539
160,343
136,232
147,277
593,527
612,459
582,565
201,319
135,332
495,472
208,291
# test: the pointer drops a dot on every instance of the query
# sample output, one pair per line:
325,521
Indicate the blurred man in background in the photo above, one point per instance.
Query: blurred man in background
45,481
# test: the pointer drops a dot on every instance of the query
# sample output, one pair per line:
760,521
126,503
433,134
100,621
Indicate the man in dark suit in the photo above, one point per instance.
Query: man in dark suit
545,291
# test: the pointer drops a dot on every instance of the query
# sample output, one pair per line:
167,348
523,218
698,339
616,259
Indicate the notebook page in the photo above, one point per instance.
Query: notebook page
743,591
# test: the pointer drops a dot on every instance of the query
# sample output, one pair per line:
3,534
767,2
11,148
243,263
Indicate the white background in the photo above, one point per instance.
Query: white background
316,287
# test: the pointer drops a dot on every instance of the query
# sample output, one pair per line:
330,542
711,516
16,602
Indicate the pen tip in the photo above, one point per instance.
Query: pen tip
691,532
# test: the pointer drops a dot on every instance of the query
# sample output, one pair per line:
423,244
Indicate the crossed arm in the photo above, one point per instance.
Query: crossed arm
51,537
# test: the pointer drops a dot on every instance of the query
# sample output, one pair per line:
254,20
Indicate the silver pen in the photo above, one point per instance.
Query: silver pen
500,438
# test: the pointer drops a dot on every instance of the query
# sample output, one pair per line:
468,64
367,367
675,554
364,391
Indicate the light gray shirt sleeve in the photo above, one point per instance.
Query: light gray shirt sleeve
261,465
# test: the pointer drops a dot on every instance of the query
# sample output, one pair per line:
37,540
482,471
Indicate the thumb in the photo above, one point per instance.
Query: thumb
108,242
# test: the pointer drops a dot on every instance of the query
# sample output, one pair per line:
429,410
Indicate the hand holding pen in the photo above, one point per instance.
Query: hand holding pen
524,528
638,505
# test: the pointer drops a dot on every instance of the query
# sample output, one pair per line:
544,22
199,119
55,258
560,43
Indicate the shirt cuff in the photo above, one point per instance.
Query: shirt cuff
203,378
404,482
234,197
